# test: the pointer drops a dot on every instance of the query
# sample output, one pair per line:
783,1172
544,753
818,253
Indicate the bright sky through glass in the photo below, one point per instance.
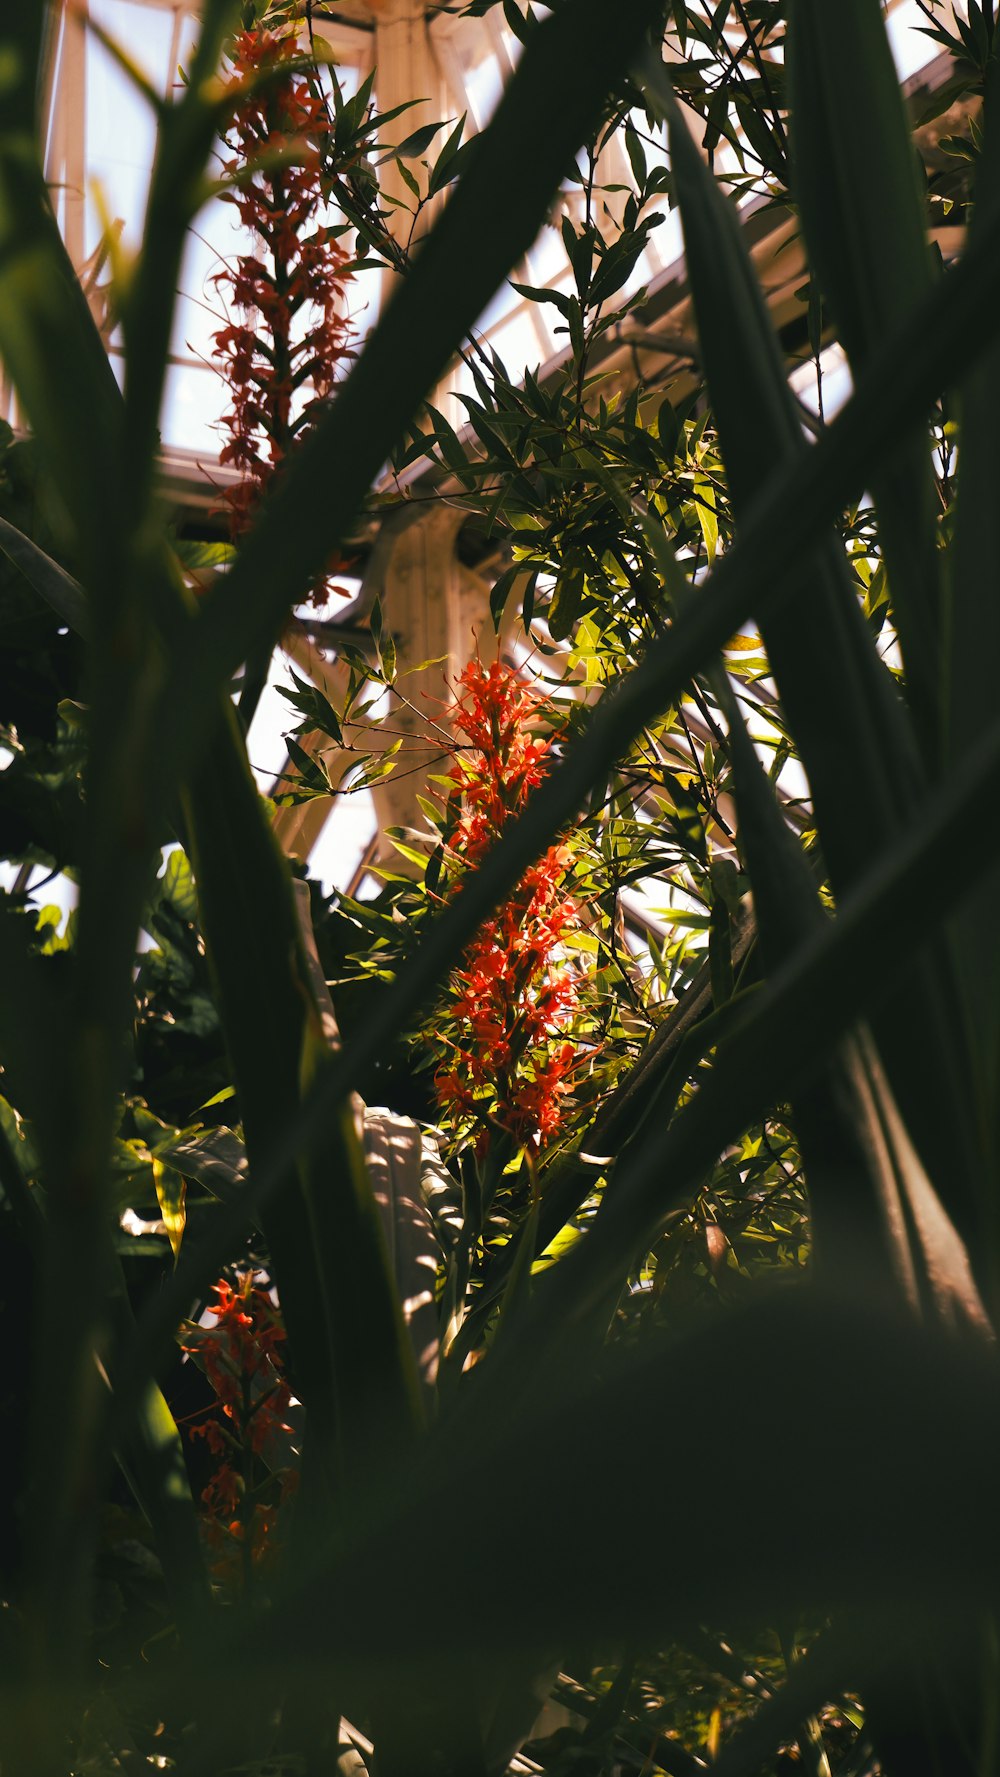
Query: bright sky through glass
475,56
120,137
910,46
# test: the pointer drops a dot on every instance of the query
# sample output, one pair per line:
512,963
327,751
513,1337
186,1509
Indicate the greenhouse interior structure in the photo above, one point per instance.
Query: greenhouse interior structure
500,1011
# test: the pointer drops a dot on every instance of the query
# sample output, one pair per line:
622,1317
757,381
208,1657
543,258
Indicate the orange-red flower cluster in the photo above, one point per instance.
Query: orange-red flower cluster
281,357
247,1430
509,1064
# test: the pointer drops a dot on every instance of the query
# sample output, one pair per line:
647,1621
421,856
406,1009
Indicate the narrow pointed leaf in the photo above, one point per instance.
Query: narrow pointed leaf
951,329
974,641
152,1458
348,1347
855,176
828,673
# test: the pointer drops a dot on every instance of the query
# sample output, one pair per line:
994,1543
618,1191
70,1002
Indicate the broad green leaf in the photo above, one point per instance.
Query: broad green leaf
177,885
704,495
826,670
442,171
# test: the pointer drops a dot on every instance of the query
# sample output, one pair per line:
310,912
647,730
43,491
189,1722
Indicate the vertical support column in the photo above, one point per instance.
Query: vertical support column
434,611
430,621
63,129
438,613
66,164
406,68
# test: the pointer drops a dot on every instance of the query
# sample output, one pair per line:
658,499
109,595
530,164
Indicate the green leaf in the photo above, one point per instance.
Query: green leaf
617,266
636,154
521,23
446,167
315,706
525,149
177,886
49,580
129,67
974,624
344,1324
54,359
311,771
51,350
171,1190
704,500
863,216
414,144
188,133
152,1458
941,339
828,673
533,293
567,602
872,1208
916,1402
499,592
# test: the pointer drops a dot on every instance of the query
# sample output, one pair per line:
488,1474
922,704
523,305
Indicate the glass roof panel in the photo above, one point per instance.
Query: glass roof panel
273,719
835,378
338,854
119,139
121,130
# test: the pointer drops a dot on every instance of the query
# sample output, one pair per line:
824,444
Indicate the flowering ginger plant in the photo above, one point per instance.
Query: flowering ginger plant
247,1429
510,1006
293,328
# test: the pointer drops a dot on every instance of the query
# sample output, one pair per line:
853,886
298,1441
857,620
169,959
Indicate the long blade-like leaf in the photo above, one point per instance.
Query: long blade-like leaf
974,639
351,1356
51,350
785,1031
152,1457
62,377
920,1542
58,589
855,176
867,785
940,340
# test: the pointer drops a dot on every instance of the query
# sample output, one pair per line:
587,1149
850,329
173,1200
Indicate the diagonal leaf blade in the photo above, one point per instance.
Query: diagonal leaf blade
855,176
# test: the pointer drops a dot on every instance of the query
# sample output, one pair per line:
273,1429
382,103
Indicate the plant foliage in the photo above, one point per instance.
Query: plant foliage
639,1355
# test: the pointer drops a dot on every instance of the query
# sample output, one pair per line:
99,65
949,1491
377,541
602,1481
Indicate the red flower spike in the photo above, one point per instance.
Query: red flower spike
511,999
291,289
246,1431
